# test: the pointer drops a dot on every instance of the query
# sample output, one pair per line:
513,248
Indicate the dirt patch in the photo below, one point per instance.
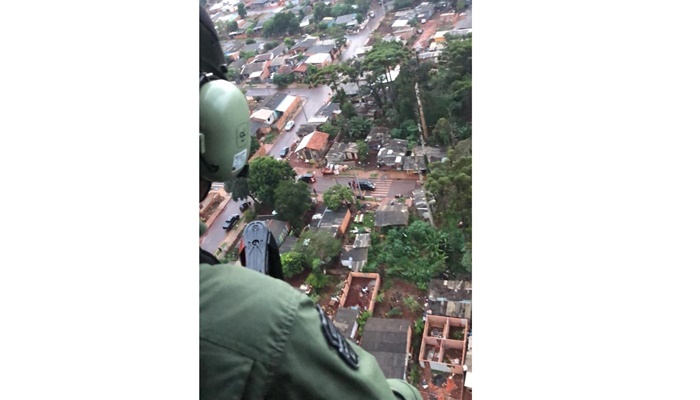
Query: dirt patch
395,292
360,293
212,207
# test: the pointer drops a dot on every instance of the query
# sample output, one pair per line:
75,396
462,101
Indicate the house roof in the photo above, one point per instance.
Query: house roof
306,21
238,64
273,101
399,23
346,19
255,47
277,228
357,257
449,290
306,128
278,62
305,44
335,153
388,215
315,141
344,319
259,2
387,340
453,309
328,109
350,88
262,114
253,67
254,126
320,48
464,23
277,51
362,240
319,58
284,69
334,221
263,57
285,104
288,244
301,68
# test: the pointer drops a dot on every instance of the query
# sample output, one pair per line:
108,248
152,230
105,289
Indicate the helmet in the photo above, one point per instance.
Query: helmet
224,133
224,136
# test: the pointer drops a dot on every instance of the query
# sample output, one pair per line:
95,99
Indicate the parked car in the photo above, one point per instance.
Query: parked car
367,185
371,14
308,178
284,151
244,206
231,222
289,126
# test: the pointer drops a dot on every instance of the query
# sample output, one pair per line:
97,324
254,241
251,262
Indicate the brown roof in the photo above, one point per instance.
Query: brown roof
318,140
301,68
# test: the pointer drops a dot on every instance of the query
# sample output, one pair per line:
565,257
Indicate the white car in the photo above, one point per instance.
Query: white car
289,125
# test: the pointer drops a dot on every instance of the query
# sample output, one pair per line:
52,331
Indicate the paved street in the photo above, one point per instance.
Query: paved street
385,186
213,237
359,39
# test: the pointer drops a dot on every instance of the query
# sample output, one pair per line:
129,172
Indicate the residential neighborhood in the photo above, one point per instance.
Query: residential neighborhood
360,118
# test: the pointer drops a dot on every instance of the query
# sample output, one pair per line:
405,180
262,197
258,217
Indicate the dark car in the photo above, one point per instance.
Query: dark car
244,206
308,178
284,152
231,222
367,185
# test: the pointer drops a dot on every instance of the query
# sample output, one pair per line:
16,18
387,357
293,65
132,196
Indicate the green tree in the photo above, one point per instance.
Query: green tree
415,253
246,54
292,264
451,185
292,201
329,128
442,132
321,10
359,127
362,150
317,245
232,26
265,175
241,10
289,42
338,195
237,188
249,41
281,80
270,45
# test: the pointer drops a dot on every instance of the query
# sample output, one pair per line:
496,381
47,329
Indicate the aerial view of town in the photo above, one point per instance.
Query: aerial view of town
361,113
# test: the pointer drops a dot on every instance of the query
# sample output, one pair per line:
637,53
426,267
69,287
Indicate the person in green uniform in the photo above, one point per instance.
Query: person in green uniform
259,338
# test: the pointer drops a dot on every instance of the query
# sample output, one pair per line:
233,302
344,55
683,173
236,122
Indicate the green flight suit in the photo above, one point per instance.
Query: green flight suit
262,339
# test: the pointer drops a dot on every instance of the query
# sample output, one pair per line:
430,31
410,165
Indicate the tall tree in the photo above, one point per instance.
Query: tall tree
241,10
359,127
338,195
362,150
450,183
292,201
317,245
265,175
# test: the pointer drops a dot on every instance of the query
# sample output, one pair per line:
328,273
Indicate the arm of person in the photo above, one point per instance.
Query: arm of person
319,363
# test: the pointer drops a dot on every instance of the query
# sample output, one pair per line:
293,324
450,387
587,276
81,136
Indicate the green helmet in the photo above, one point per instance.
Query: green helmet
224,132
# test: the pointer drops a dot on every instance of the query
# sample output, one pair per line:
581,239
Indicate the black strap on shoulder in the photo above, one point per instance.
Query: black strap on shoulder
206,257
